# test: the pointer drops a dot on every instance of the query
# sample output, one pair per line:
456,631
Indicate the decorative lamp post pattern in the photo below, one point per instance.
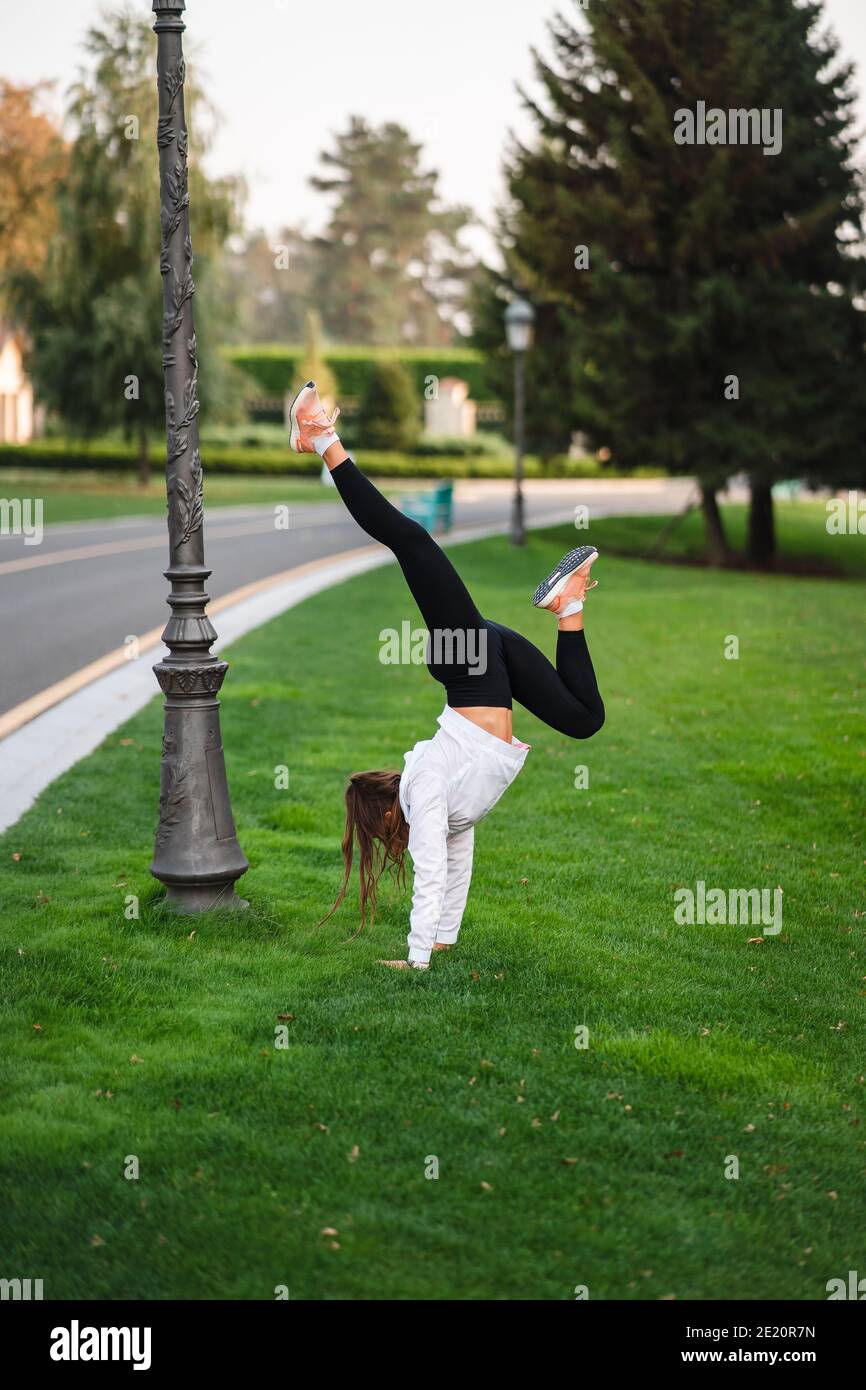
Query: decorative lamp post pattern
196,854
519,322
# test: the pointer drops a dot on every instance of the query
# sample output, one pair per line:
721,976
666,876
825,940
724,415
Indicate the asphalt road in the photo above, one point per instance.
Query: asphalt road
87,586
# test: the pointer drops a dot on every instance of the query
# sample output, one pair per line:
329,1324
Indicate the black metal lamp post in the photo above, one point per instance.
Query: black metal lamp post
197,855
519,321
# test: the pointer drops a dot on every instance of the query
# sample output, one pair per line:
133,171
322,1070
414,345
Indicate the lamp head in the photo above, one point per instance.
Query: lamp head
519,322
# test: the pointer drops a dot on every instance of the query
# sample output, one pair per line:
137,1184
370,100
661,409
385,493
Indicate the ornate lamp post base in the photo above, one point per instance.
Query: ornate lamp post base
220,898
197,855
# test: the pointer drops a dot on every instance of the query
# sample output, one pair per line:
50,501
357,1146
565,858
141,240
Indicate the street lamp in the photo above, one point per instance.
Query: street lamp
519,321
196,855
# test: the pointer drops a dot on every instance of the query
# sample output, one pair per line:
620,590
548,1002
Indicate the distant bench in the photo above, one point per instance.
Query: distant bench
434,509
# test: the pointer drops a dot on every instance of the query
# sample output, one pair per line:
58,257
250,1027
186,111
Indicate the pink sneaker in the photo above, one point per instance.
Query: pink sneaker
310,421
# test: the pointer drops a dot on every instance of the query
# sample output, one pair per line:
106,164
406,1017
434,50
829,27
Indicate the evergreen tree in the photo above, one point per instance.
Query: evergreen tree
95,313
388,417
392,269
681,266
313,366
553,381
268,282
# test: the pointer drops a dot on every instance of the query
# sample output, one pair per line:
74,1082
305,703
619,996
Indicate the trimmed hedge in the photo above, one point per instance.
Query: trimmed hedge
110,456
272,366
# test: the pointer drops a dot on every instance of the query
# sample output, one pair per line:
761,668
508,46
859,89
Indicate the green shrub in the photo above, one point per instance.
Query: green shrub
273,368
463,446
389,413
108,456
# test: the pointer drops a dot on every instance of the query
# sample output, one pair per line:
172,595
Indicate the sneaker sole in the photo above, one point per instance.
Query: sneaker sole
295,431
553,585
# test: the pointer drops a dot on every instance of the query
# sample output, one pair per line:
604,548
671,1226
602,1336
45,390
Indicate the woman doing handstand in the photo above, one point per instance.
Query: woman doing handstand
450,781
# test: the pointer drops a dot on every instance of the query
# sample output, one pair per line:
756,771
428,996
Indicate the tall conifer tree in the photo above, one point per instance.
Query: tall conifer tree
713,312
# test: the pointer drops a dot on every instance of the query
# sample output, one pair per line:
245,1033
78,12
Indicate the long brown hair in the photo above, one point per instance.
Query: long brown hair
374,818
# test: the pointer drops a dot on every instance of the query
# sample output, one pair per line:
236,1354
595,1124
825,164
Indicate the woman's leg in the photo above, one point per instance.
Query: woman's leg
565,697
436,587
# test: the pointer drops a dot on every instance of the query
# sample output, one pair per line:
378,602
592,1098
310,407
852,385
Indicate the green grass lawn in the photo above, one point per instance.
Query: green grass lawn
558,1166
803,540
87,496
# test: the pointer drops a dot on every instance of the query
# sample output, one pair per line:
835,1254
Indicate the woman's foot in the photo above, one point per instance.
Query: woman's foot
312,428
565,588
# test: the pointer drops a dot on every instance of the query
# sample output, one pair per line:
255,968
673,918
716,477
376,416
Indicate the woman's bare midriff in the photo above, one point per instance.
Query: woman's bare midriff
494,718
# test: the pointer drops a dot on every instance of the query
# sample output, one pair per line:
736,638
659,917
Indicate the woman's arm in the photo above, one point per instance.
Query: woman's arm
428,848
460,844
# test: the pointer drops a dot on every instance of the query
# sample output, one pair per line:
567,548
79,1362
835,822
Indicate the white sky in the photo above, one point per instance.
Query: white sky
285,74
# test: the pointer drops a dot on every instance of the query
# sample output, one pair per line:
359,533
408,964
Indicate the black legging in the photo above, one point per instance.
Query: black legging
566,698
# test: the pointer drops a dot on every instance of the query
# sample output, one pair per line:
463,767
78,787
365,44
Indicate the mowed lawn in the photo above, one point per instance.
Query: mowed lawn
805,545
558,1166
88,496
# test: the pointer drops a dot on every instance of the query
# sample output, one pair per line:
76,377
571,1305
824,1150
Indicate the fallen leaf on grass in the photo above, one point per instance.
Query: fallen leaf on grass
287,1018
354,1154
96,1240
329,1231
569,1162
136,1061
